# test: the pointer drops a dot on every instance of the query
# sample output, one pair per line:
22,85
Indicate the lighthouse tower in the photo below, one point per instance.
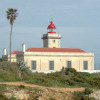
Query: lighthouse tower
51,39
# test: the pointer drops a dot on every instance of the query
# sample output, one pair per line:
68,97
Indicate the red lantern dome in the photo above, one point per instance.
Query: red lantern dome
52,25
52,28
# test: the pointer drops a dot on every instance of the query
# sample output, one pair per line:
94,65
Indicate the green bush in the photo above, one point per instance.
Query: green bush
23,66
87,98
1,60
21,86
83,95
78,79
71,70
87,91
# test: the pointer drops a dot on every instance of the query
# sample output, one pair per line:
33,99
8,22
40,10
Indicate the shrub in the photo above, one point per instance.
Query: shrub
87,98
87,91
82,96
72,84
1,60
72,70
21,86
78,79
23,66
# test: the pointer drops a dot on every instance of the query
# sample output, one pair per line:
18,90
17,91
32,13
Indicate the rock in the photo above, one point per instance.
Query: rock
95,94
18,95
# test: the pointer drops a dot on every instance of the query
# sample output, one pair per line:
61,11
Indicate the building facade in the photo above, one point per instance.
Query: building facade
54,59
13,55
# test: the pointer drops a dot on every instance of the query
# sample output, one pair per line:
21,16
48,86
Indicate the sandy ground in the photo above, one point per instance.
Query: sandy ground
43,87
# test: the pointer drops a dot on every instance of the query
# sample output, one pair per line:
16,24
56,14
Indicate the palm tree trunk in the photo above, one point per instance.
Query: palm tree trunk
11,41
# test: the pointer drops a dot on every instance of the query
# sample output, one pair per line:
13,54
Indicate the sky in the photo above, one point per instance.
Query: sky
78,22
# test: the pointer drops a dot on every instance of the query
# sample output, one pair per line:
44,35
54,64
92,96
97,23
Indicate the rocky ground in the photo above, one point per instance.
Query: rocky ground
23,91
95,94
37,94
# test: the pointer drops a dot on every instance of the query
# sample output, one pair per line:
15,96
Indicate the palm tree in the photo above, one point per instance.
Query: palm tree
11,16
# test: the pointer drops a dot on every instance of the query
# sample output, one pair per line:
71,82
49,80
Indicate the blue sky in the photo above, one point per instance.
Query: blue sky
78,21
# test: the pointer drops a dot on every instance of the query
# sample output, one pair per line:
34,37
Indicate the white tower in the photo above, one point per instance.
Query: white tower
51,39
23,47
4,51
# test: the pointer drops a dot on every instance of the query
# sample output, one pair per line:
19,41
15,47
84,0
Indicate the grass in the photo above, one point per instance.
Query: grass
9,71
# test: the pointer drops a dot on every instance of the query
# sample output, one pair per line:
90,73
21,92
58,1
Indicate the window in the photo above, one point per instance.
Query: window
33,65
52,30
53,41
51,65
85,64
69,64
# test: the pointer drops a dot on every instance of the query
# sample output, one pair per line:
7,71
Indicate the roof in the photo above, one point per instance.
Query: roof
15,52
52,25
74,50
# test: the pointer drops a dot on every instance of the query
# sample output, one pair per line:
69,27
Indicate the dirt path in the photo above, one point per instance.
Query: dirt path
43,87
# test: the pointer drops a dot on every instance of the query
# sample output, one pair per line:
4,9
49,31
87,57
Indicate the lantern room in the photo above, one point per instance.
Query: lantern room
51,28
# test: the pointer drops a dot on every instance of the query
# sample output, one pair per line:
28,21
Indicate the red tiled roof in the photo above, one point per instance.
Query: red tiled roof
76,50
15,52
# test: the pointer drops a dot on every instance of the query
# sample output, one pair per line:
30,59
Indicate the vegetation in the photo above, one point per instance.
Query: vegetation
84,95
2,97
2,60
3,89
87,91
8,92
65,78
23,66
11,16
21,86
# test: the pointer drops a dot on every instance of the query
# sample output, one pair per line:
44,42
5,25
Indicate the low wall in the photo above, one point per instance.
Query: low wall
91,71
53,71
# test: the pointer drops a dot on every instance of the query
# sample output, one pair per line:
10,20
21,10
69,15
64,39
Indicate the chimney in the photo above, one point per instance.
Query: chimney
4,51
23,47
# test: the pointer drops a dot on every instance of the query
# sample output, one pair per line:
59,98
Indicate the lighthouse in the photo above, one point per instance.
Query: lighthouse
51,28
51,57
51,39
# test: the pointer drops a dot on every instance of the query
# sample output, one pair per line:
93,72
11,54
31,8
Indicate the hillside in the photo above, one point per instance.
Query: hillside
69,78
65,78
